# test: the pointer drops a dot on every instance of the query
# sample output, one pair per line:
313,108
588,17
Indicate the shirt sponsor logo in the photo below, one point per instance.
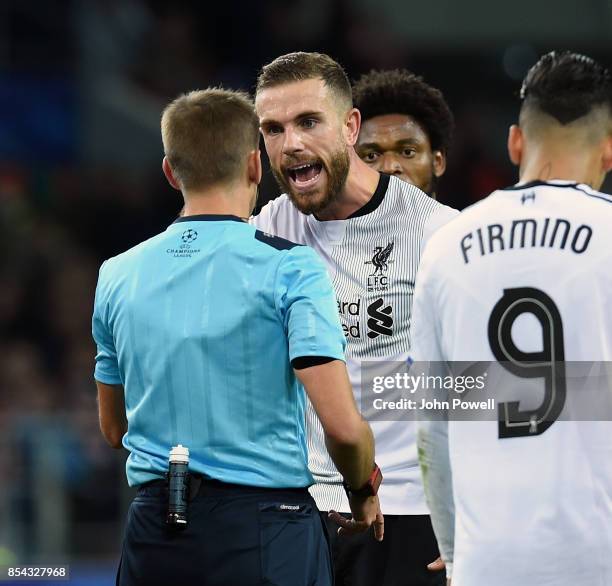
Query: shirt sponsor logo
380,322
348,309
380,318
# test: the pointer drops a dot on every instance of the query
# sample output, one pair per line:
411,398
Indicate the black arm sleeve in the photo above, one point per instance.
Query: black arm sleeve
306,361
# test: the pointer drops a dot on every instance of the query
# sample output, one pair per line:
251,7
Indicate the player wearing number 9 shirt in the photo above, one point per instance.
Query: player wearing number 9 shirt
526,274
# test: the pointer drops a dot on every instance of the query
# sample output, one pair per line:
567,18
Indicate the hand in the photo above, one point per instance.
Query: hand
366,513
436,565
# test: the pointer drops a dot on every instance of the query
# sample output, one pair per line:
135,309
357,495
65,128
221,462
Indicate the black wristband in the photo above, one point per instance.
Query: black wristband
370,488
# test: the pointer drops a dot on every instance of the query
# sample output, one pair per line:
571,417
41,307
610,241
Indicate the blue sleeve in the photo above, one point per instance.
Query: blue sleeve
107,366
307,304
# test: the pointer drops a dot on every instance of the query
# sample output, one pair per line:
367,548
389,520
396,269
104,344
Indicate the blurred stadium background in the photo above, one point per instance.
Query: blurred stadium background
82,85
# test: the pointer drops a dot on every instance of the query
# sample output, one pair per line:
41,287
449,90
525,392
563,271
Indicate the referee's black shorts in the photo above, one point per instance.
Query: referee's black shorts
236,536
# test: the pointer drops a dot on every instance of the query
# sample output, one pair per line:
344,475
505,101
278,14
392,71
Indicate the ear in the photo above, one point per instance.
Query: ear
169,174
439,163
515,144
352,125
606,158
254,168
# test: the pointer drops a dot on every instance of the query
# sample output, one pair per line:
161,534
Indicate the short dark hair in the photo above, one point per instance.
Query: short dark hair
567,86
399,91
207,135
300,66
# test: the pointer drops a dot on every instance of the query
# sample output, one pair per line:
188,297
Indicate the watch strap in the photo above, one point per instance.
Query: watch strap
369,488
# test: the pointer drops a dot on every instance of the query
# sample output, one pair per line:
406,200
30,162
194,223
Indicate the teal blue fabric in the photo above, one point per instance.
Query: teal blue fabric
199,324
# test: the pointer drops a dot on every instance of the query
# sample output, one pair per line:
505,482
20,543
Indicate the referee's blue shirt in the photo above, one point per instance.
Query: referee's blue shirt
199,324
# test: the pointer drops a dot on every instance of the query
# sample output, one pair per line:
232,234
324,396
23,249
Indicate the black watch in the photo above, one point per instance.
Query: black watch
370,488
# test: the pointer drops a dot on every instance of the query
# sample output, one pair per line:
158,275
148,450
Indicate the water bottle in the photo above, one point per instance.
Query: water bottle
178,483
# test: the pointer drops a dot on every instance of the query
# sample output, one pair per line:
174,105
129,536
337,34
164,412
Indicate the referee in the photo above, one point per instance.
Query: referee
204,334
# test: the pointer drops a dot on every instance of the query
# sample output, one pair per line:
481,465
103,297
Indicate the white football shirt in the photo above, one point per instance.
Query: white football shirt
372,258
526,272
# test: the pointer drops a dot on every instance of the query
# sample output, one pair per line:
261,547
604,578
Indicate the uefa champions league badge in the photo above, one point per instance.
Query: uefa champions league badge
185,247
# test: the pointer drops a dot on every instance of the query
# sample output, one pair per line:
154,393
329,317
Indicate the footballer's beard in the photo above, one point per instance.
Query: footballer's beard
307,201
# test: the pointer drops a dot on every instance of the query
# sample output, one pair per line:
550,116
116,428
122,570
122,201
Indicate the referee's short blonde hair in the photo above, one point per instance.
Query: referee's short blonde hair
207,136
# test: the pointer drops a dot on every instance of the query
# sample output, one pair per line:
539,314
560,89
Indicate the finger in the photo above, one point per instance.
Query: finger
379,527
348,526
353,528
339,519
436,565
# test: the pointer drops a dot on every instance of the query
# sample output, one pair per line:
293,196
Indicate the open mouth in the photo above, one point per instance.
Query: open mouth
305,174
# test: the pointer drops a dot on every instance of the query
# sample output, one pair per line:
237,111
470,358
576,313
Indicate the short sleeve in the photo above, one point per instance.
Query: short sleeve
308,308
107,367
